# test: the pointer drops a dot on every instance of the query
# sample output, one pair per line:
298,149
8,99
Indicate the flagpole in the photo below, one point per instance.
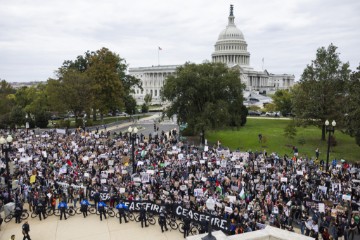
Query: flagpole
158,56
262,64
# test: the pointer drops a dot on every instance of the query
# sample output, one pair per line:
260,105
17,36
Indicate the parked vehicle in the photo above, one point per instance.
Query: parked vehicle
254,113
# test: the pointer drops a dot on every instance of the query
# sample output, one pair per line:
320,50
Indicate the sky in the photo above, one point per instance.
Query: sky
37,36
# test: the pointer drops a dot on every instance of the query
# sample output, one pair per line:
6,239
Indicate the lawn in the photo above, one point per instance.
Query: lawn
272,130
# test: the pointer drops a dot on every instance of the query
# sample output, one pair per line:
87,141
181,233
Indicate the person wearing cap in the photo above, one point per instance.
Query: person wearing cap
40,208
25,231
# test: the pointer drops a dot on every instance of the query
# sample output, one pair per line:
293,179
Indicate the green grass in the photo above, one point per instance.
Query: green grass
246,138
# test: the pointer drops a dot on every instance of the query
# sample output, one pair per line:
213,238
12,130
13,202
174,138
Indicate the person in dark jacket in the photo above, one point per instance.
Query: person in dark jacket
143,216
40,208
26,230
187,222
162,221
18,212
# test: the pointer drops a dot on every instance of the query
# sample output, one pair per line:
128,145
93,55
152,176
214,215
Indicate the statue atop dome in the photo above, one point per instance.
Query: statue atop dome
231,10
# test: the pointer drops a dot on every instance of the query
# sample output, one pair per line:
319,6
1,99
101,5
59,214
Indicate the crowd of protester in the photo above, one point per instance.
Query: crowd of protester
251,188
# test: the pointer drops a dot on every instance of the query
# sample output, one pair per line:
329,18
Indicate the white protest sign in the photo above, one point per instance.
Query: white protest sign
183,187
151,172
111,162
237,166
300,172
203,179
323,189
321,207
122,190
283,179
346,197
198,192
206,148
103,180
232,199
228,209
137,179
202,161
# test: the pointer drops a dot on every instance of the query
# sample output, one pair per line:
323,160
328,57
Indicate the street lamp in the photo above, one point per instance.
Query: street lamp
133,132
27,124
6,147
84,121
329,129
210,204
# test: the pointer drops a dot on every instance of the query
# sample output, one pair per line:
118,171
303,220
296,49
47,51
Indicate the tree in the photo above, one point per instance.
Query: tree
104,74
148,99
7,102
205,96
282,101
130,105
320,93
290,130
352,110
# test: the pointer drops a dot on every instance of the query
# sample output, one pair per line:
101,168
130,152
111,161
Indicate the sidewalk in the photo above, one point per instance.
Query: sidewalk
128,124
91,228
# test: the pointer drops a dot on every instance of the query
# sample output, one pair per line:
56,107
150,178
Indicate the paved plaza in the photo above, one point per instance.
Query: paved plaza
91,228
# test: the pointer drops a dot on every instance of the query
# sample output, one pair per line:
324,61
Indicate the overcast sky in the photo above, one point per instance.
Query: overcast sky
37,36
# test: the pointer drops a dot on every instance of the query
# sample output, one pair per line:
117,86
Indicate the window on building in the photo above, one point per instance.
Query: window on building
155,93
151,92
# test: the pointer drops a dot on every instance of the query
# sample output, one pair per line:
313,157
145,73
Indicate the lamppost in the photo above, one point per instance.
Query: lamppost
210,204
329,129
6,147
84,121
27,124
133,132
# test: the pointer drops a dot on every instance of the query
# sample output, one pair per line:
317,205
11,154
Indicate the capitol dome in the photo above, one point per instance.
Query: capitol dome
231,47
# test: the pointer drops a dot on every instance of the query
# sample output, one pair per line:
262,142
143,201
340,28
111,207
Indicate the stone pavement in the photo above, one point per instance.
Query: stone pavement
91,228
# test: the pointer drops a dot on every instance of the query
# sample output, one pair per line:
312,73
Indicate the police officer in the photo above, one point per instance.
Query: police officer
96,199
40,208
62,206
187,222
143,216
121,208
84,207
162,220
26,230
18,212
101,208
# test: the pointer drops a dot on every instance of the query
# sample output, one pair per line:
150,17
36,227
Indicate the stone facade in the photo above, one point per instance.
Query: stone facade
231,49
152,79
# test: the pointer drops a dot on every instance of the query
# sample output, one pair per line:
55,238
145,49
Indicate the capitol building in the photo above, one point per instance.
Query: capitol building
231,49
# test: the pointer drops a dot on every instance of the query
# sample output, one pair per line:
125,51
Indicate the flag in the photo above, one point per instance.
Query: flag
242,194
69,162
160,48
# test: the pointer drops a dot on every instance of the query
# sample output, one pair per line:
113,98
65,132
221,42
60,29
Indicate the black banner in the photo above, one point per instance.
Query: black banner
216,221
